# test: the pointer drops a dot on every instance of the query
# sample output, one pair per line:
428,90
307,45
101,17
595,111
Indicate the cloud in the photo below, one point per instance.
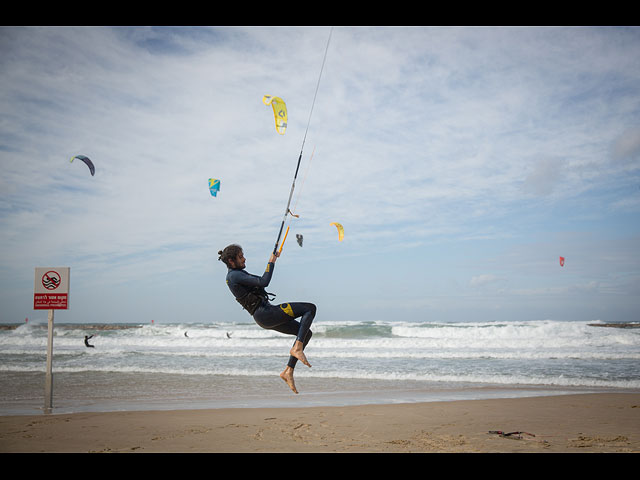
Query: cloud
422,136
627,146
483,280
545,175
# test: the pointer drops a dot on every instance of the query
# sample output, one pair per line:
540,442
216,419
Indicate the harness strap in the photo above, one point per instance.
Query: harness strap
254,298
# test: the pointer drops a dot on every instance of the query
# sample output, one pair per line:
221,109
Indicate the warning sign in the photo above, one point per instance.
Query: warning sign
51,288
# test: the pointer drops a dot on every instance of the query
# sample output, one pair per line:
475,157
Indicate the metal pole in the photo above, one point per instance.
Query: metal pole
48,386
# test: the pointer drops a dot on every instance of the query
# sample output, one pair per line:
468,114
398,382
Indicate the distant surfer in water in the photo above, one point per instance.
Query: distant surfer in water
249,291
86,341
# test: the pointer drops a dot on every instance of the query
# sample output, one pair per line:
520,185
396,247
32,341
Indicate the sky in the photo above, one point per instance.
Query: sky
461,161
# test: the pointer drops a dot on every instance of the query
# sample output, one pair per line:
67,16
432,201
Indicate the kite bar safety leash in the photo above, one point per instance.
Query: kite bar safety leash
286,212
296,205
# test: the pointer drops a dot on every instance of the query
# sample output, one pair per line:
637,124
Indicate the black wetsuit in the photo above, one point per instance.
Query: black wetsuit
86,341
281,318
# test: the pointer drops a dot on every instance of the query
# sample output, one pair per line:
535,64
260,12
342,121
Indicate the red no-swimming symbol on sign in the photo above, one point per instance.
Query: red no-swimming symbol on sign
51,280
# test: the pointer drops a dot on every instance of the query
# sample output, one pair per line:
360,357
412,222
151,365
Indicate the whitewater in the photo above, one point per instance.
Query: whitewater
183,365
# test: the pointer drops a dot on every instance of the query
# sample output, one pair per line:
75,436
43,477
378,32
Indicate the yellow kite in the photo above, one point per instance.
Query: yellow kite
340,230
279,112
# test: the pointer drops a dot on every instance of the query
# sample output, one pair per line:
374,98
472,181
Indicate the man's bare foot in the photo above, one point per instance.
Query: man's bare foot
297,352
287,376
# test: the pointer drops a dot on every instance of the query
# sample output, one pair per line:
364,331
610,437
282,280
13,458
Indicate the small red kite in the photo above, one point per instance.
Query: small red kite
562,261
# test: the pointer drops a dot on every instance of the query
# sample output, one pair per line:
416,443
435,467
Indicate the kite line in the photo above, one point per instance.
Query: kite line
287,211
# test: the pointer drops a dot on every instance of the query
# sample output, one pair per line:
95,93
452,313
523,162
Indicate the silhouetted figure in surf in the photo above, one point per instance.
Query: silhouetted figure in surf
86,341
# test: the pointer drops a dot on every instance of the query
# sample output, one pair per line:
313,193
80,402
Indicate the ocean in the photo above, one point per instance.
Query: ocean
221,365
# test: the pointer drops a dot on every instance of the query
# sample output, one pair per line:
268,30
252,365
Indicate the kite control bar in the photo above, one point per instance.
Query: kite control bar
283,240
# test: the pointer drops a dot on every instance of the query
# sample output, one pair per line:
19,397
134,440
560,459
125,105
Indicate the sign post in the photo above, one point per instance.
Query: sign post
48,381
50,292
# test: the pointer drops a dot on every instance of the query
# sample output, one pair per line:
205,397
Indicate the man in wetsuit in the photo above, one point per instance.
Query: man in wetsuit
249,292
86,341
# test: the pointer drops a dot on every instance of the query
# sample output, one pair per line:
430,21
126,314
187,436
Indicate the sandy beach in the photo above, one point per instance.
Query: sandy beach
589,423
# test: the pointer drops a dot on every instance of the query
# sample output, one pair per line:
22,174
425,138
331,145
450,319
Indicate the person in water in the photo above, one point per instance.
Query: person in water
86,341
249,291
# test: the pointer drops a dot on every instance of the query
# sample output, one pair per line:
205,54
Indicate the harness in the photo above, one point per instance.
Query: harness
254,298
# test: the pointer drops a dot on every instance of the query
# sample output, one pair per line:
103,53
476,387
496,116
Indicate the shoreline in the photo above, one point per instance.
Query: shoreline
569,423
74,392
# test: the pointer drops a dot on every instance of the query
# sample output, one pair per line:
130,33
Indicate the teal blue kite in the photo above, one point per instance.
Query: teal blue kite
214,186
